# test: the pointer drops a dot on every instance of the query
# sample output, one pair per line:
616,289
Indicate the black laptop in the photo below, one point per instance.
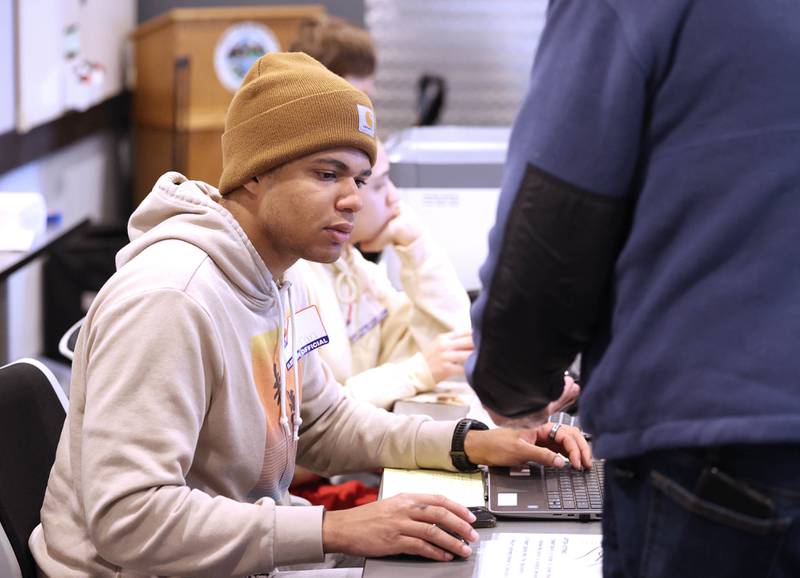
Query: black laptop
539,492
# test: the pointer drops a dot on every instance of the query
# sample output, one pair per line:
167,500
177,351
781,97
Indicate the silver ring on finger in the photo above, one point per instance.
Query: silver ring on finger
553,430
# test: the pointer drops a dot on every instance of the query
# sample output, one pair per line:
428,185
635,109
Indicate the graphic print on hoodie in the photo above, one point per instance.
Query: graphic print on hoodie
278,466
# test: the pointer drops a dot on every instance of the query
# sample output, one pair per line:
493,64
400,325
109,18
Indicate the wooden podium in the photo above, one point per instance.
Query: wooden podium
179,98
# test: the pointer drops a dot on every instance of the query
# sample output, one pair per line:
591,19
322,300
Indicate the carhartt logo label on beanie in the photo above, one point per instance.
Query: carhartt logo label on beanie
290,106
366,120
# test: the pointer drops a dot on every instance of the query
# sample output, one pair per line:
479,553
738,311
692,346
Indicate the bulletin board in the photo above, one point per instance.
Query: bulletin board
70,55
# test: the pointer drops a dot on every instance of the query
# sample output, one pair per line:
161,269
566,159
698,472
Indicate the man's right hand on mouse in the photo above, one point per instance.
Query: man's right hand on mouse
403,524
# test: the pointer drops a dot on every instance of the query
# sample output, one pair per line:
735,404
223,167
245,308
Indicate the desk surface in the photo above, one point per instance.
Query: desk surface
11,261
403,567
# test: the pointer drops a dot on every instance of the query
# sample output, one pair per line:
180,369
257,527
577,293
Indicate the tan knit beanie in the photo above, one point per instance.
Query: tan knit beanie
290,106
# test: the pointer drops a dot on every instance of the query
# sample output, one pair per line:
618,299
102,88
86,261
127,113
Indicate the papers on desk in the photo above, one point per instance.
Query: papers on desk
466,489
16,239
449,401
507,555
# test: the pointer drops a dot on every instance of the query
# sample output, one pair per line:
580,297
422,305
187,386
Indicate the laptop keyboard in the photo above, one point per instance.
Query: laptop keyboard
567,419
571,489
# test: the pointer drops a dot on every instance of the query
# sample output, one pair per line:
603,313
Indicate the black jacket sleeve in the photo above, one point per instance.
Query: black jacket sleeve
549,290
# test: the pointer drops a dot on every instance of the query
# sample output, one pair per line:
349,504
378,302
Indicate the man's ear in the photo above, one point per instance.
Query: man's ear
252,186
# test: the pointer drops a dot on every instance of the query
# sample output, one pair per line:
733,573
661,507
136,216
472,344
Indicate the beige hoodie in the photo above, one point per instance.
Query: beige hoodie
176,406
377,332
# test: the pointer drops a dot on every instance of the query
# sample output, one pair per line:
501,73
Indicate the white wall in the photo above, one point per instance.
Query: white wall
55,38
7,81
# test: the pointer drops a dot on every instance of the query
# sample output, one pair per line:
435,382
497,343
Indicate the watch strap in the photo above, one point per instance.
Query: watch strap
457,454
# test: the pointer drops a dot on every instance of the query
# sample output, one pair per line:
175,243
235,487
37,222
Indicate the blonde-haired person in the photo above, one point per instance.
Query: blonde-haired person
388,344
344,48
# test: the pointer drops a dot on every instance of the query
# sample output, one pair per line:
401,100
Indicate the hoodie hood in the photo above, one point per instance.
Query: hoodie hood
178,208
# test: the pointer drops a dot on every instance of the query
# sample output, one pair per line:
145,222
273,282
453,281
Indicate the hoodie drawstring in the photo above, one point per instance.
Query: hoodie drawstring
297,376
282,361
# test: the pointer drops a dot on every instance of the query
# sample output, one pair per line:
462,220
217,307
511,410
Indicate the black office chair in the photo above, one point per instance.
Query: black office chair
32,410
66,345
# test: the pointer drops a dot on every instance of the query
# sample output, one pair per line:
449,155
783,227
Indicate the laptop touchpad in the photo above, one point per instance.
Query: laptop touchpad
523,489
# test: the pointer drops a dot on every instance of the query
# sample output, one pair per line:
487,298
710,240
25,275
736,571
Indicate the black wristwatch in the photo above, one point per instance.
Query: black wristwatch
460,460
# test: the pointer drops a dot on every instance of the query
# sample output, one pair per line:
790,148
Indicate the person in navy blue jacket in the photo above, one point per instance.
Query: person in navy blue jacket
650,221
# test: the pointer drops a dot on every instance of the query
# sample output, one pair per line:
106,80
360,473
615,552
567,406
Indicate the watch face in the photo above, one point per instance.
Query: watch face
477,425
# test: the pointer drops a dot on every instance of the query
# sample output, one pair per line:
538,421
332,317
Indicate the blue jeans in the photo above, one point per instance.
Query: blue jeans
656,525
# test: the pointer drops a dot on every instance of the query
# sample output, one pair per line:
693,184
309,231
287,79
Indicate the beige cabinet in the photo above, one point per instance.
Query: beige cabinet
187,64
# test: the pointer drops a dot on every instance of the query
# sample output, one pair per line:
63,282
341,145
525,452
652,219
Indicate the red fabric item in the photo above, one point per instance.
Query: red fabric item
336,497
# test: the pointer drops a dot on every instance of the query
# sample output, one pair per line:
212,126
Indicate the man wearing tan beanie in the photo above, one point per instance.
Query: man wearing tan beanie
195,384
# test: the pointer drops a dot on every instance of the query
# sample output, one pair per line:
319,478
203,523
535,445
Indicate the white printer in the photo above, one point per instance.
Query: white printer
450,176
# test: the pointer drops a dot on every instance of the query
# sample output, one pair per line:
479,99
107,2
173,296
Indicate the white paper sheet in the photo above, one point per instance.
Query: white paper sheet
22,217
16,239
540,556
466,489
